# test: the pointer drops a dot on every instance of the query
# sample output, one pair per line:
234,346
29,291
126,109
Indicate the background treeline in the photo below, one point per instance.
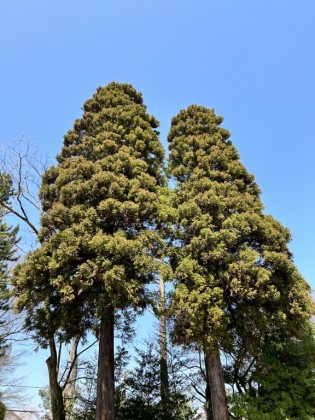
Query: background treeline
121,231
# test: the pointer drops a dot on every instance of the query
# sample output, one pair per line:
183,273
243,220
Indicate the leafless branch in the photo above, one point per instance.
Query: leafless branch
73,362
23,164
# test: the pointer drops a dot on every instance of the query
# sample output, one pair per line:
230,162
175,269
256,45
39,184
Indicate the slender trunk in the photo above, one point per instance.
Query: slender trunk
69,392
163,348
105,402
216,384
57,406
208,405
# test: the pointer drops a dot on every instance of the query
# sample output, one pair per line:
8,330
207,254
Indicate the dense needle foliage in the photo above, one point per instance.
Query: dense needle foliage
237,288
234,271
99,207
106,220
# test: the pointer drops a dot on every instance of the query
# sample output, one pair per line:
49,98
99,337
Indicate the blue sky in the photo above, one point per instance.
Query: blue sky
253,61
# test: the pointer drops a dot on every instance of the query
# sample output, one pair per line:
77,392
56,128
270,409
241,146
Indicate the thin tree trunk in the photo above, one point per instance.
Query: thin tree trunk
165,393
69,392
105,402
216,384
57,406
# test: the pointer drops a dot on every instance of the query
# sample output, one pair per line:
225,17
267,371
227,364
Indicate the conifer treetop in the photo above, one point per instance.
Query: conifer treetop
234,270
98,239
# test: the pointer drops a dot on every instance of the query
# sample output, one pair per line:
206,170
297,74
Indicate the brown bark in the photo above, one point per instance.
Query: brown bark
57,406
105,402
163,348
216,384
208,405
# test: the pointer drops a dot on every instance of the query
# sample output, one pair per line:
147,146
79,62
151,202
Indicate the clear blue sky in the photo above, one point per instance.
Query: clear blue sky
253,61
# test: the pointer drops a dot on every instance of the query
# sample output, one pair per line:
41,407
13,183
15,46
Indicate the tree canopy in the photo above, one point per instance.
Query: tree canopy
234,272
98,240
99,206
233,267
107,218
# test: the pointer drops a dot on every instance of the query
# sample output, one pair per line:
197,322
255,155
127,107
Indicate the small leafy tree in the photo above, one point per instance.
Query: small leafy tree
138,388
142,397
280,383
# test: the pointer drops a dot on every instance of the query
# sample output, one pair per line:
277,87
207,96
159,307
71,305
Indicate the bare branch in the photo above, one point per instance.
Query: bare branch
73,362
24,166
20,216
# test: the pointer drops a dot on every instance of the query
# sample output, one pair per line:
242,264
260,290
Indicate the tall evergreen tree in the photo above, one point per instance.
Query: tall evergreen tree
98,240
234,271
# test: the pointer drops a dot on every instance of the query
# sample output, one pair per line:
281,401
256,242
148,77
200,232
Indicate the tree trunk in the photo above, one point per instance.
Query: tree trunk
208,405
69,391
57,406
105,402
216,384
165,393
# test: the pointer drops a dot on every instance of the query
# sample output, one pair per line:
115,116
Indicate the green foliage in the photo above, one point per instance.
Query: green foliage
98,240
137,393
282,383
107,216
236,284
8,238
45,399
235,275
6,189
8,241
2,411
